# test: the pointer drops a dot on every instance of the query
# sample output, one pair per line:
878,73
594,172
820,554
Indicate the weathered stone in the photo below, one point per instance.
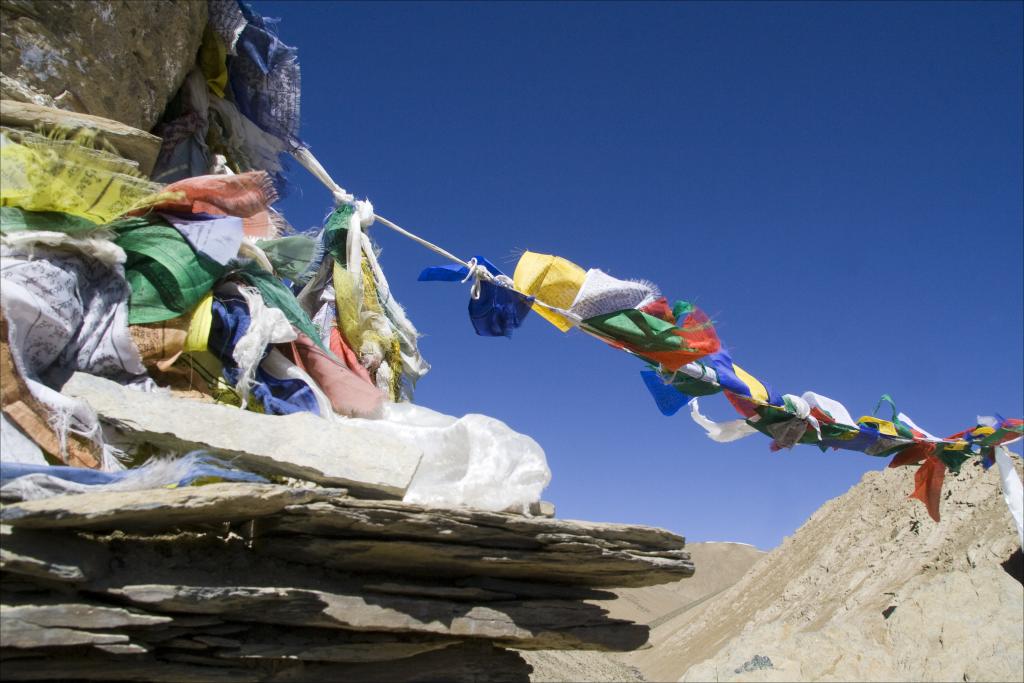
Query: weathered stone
217,641
119,59
595,567
185,644
23,635
14,90
80,616
464,662
310,644
538,624
346,534
386,591
542,508
351,517
300,445
456,593
122,669
123,649
131,143
50,556
544,591
196,622
155,508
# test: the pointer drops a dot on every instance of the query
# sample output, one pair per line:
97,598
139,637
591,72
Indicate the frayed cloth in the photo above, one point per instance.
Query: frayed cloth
63,313
722,432
41,173
243,195
33,482
98,245
227,21
601,293
265,78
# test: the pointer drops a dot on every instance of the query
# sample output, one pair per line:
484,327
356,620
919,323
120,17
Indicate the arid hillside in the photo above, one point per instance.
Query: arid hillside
869,589
663,608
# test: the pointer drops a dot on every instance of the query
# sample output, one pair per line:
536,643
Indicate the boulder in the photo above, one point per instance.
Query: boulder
119,59
300,445
131,143
266,582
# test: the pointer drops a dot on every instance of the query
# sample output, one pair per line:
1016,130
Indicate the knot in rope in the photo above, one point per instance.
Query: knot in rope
477,272
364,209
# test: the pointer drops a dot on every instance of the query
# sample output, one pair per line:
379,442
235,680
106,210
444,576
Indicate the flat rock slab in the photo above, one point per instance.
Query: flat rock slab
300,445
81,616
155,508
23,635
577,564
526,625
320,527
350,517
130,143
402,538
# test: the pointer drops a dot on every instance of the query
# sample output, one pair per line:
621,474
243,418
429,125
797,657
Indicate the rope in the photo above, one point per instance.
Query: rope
311,164
367,217
416,238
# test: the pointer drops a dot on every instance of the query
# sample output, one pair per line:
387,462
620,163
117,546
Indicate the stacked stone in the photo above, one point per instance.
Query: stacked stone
264,582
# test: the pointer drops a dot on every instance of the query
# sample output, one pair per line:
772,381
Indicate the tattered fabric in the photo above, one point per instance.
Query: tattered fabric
497,310
276,395
167,276
40,173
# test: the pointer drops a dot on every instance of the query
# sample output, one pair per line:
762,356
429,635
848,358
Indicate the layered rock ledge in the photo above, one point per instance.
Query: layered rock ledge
265,582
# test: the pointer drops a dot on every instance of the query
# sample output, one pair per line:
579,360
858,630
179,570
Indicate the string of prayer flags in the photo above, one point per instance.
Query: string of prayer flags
686,360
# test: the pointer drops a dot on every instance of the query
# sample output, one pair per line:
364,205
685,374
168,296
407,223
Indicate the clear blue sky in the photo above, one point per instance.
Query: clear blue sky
838,185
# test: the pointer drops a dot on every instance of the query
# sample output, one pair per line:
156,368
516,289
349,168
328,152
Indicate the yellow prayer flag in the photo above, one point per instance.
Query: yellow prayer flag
883,426
199,327
551,279
757,390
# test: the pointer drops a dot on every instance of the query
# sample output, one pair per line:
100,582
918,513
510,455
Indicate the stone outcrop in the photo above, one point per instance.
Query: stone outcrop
664,608
130,143
870,588
118,59
255,582
368,463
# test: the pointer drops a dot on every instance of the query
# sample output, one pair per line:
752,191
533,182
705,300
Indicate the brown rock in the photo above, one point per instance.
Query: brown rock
130,143
119,59
156,508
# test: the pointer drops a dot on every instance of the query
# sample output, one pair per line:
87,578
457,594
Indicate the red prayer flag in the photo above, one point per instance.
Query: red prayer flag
928,484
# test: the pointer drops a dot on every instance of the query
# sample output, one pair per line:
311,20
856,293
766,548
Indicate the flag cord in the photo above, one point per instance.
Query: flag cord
476,271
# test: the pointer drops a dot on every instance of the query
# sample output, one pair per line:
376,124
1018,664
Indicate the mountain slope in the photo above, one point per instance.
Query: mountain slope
869,588
719,565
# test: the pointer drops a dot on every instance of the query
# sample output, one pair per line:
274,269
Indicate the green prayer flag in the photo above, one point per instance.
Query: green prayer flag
336,233
639,330
15,219
167,276
276,295
289,255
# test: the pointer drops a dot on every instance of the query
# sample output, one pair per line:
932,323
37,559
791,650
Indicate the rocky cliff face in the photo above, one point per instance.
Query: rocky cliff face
118,59
254,582
870,588
663,608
